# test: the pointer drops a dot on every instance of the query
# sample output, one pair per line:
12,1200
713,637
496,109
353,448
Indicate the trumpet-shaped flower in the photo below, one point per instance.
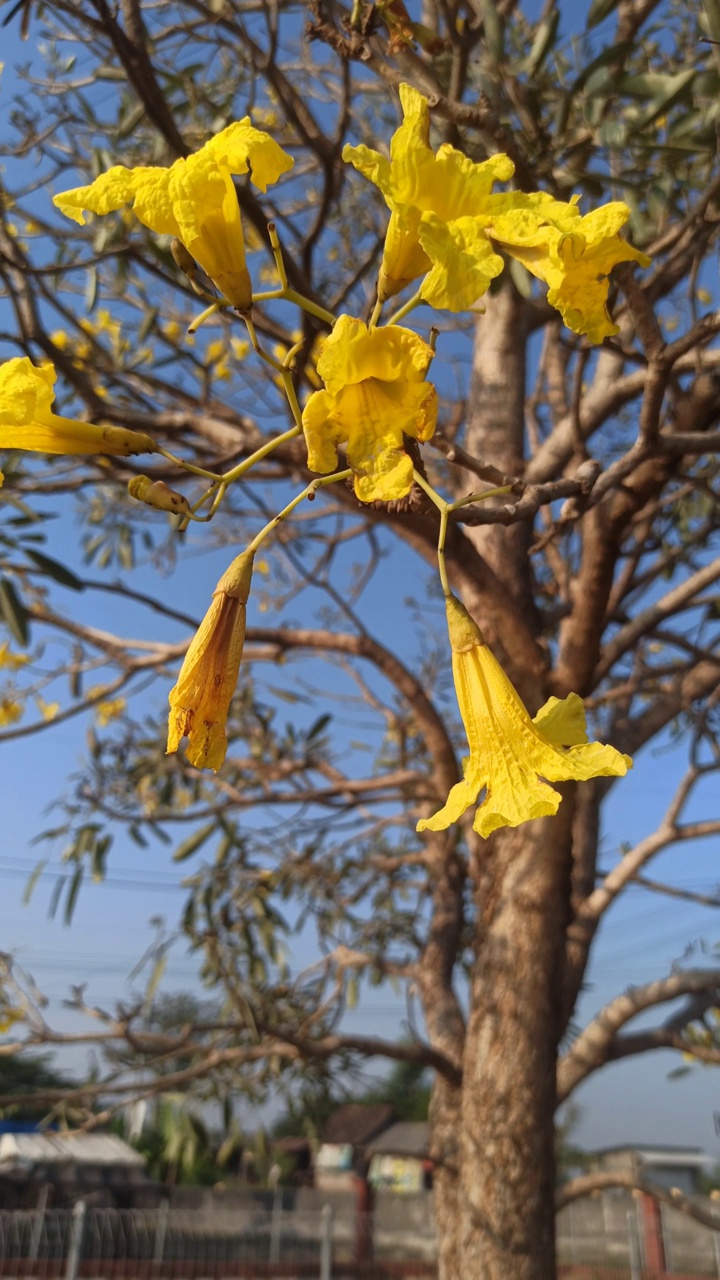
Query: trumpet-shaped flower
375,392
194,199
415,181
512,756
447,223
28,422
574,255
200,701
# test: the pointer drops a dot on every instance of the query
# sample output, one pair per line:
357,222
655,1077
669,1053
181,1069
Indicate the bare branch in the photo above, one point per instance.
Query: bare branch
594,1046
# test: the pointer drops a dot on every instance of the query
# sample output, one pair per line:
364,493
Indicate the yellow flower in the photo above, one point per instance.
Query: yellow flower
447,224
11,661
415,181
10,710
48,710
194,199
28,422
8,1015
109,710
200,701
510,754
574,255
375,392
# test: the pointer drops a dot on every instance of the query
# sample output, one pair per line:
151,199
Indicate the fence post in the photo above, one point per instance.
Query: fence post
276,1225
326,1242
161,1232
634,1246
77,1227
38,1223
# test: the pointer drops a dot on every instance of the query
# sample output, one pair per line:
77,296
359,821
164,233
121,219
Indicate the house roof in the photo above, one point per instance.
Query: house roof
19,1150
407,1138
648,1153
358,1123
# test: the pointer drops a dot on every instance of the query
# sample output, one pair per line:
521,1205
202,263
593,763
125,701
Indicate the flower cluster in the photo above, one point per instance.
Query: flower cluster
451,232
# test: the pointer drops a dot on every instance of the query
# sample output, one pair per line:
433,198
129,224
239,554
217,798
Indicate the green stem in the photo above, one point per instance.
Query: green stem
444,508
375,314
432,494
274,364
405,309
187,466
478,497
308,492
277,254
231,476
313,308
219,305
442,566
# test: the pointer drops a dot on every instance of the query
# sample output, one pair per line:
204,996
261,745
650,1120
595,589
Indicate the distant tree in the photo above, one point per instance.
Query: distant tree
25,1074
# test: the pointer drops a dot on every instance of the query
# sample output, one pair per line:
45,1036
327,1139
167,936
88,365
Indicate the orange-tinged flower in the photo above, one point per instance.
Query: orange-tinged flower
510,754
28,422
200,701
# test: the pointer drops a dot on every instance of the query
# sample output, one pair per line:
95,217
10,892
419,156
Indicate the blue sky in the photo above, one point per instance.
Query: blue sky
643,934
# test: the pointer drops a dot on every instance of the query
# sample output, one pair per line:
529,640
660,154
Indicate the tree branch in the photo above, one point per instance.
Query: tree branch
594,1046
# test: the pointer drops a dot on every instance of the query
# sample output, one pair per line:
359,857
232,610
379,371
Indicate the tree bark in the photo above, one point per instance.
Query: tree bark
507,1160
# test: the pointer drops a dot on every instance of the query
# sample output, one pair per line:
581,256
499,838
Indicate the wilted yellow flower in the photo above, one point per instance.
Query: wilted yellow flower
510,754
194,199
28,422
375,392
200,701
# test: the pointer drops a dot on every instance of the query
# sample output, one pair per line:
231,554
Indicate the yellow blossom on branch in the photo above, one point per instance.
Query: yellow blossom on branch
574,255
416,181
11,710
11,661
194,200
108,710
28,422
200,701
513,757
375,392
447,224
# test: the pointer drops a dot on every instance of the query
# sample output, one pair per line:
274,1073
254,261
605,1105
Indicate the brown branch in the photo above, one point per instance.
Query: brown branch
644,622
588,1183
594,1046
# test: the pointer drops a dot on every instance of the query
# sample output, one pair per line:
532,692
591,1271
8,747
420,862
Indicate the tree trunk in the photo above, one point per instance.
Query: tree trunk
445,1155
499,1224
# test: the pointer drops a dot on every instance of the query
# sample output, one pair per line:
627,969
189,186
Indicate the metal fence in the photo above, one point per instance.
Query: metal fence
169,1244
260,1244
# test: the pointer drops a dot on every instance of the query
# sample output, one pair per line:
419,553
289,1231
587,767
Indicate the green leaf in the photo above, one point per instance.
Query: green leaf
599,10
493,30
193,842
91,285
71,900
710,20
32,881
542,44
14,614
55,570
55,897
